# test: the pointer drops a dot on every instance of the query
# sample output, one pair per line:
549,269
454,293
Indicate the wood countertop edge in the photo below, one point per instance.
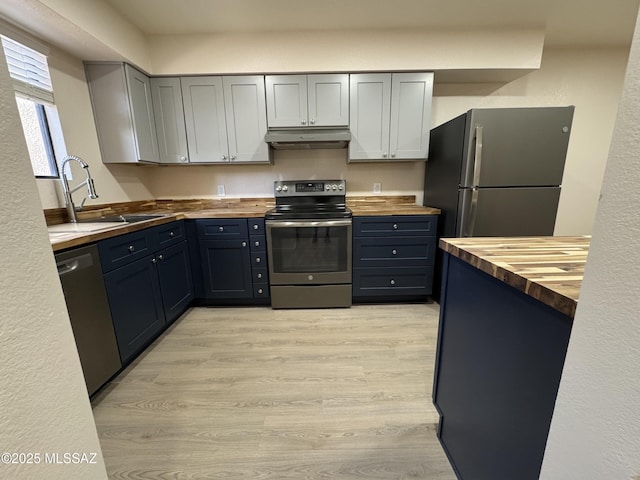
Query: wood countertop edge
85,238
535,290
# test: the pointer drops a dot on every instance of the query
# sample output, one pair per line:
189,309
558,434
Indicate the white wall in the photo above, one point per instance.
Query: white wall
43,399
595,432
589,79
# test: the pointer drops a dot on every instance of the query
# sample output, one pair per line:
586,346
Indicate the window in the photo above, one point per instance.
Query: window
34,97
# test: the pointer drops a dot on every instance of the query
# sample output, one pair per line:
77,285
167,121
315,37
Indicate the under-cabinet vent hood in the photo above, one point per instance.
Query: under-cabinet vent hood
303,139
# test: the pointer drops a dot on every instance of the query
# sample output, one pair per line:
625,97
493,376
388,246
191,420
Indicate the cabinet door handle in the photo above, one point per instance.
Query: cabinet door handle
160,257
312,122
256,243
395,226
171,234
131,248
394,251
304,122
224,158
260,291
153,260
259,276
384,155
183,158
393,155
244,244
233,157
393,282
258,260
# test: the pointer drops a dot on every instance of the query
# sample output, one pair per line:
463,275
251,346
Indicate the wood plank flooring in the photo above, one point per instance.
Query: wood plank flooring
255,393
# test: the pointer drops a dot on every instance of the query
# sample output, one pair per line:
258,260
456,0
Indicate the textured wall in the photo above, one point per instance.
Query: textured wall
43,400
595,432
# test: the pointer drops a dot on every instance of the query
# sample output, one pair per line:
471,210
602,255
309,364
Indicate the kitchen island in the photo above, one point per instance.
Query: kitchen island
505,319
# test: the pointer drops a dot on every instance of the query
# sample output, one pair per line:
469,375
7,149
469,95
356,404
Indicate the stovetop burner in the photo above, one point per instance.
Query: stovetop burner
309,199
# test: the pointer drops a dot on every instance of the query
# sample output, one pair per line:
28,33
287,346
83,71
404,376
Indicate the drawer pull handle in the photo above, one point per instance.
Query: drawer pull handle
131,248
394,251
171,234
393,282
256,243
395,226
221,229
259,276
260,291
258,259
244,244
255,226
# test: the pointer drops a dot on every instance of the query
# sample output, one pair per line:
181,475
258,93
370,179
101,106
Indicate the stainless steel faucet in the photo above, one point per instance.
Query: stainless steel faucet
68,199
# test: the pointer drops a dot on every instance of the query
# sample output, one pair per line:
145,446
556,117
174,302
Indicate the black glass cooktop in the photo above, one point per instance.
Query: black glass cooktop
311,212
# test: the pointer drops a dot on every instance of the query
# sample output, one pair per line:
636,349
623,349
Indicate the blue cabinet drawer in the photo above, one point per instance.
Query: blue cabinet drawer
260,274
258,259
224,228
401,225
118,251
371,282
169,234
258,243
394,252
256,226
260,290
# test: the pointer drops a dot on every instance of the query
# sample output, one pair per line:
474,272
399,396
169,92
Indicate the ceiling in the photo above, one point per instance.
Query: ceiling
566,22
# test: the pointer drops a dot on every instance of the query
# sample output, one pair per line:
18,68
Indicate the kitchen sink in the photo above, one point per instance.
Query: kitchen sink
127,218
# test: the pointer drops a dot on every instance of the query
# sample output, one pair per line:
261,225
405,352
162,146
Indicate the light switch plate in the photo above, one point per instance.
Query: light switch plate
377,187
221,192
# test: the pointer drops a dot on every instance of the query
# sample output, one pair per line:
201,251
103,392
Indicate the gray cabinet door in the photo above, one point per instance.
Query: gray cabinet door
169,117
410,115
370,107
286,100
141,105
246,118
205,121
328,100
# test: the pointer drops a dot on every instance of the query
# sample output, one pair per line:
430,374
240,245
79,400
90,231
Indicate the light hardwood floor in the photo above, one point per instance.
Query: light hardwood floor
255,393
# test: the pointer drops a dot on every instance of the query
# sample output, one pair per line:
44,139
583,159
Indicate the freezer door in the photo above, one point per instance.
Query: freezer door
511,147
508,212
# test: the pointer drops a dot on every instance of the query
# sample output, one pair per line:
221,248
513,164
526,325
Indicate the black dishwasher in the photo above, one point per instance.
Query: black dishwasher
81,277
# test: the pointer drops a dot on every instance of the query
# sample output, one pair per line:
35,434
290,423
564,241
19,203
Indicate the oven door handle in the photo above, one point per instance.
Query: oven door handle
308,223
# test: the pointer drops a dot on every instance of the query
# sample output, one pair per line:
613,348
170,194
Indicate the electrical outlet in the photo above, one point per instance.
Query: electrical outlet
377,187
221,192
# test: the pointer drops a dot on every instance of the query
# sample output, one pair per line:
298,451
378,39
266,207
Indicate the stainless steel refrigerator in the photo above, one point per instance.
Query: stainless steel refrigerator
497,172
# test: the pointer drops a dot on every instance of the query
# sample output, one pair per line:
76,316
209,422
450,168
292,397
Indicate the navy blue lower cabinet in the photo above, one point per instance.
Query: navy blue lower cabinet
176,284
226,269
136,305
499,361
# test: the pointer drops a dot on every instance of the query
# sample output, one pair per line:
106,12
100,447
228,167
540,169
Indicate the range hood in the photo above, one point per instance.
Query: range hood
309,138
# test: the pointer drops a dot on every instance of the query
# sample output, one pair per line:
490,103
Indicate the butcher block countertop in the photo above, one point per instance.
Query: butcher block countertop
549,269
202,209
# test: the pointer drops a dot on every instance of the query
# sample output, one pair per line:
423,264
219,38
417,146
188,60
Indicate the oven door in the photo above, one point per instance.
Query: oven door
309,252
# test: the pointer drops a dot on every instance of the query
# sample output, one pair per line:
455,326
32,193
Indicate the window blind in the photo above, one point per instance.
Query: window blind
29,71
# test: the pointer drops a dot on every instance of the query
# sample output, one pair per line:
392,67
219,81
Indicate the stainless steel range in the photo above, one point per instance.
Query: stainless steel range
309,245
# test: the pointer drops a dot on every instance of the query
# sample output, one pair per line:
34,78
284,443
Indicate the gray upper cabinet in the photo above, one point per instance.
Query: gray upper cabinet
390,116
307,100
246,114
169,117
225,119
123,112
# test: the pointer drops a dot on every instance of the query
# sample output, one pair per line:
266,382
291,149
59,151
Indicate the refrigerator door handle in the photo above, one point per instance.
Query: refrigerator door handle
473,208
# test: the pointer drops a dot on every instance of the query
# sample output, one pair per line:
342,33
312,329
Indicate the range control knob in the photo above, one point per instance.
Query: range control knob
327,187
341,187
285,189
278,188
334,187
